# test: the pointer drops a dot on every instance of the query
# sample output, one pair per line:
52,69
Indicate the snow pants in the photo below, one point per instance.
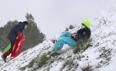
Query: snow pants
65,38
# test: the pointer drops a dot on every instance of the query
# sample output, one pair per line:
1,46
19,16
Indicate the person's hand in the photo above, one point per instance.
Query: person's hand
74,35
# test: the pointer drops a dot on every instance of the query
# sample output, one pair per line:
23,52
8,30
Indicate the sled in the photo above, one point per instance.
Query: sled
18,45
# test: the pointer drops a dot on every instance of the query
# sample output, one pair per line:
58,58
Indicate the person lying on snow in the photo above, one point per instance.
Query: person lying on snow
72,38
12,36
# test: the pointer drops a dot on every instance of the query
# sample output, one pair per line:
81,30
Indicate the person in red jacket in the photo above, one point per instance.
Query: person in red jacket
12,35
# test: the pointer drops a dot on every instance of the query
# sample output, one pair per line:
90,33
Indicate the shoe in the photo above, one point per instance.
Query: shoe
3,58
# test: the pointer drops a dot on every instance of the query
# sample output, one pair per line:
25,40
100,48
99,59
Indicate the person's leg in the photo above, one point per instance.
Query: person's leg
58,45
12,44
64,40
7,53
69,41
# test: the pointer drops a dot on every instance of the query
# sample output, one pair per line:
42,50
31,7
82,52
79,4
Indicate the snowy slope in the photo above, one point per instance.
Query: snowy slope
25,57
100,56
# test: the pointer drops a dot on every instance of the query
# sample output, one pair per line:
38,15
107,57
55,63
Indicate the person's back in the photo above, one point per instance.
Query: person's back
14,31
84,33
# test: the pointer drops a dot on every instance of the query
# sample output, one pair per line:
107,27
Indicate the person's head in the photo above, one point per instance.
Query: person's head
25,23
87,23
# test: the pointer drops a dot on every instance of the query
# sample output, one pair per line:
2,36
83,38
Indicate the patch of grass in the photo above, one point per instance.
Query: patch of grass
42,60
30,65
82,45
70,65
37,63
105,56
88,68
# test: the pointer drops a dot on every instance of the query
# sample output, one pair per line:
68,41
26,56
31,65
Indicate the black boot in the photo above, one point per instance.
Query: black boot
4,58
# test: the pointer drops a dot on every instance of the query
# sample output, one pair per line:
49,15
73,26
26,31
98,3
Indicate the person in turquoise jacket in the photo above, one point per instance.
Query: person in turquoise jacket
72,38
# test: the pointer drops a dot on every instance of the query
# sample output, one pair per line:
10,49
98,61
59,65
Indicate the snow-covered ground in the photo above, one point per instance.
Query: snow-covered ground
100,56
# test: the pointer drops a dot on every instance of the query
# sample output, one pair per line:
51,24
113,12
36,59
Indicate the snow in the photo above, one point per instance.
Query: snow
57,66
101,56
25,57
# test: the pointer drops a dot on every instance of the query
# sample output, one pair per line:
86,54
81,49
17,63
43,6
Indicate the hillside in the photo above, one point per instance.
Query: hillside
99,56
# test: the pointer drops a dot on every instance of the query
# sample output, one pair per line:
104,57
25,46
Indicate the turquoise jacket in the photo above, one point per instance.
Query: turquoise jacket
65,38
